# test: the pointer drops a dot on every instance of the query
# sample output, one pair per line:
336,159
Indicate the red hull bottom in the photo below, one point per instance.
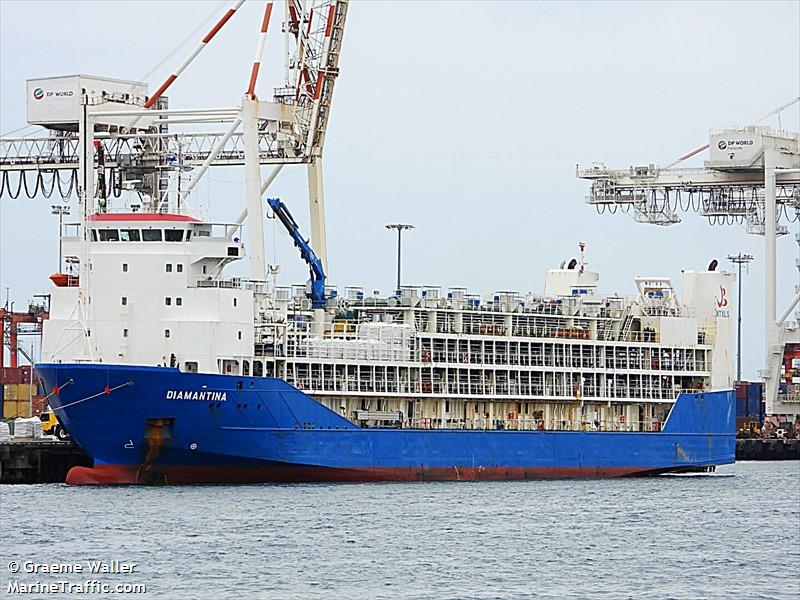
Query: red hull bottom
171,475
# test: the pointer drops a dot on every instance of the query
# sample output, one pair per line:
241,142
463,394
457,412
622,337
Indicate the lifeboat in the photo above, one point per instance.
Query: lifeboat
64,280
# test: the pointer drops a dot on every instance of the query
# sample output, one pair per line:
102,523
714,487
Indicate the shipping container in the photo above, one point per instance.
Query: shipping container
38,405
9,409
13,409
754,390
754,407
18,391
15,375
741,389
741,407
9,375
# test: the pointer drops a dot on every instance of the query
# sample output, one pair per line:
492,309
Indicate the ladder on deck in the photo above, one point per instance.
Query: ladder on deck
626,326
607,332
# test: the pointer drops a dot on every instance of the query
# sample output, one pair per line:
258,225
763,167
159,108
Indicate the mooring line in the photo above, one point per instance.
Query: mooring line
107,390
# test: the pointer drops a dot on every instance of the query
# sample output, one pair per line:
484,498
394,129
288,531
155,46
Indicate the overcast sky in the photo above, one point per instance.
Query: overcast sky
464,118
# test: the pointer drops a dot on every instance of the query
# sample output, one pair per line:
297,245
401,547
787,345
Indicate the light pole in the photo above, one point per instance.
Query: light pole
739,260
400,227
60,210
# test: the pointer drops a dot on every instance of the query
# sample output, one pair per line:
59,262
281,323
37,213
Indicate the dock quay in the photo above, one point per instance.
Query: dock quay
39,461
768,449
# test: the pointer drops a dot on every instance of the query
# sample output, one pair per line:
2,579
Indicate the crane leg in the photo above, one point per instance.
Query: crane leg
255,223
316,202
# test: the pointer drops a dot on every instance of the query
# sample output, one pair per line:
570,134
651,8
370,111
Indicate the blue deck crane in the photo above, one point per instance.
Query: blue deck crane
318,299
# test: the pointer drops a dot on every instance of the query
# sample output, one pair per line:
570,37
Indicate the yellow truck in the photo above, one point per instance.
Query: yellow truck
51,426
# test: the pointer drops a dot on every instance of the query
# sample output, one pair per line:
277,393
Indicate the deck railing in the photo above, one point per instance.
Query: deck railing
481,390
526,424
233,283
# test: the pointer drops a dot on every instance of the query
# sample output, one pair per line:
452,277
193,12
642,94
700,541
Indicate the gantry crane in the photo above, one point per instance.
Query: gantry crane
120,138
13,325
752,177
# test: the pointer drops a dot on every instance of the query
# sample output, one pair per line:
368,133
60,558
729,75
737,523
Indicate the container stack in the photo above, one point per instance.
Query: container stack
750,405
17,400
19,393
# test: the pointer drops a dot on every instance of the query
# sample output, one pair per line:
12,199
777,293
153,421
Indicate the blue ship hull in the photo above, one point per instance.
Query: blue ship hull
159,425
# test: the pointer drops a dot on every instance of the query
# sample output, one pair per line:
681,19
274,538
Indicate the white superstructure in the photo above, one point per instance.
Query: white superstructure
154,290
157,294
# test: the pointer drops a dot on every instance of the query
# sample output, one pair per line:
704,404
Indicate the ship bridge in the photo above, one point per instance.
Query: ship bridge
152,285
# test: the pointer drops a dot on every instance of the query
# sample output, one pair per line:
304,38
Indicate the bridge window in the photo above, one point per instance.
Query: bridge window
109,235
94,235
173,235
151,235
129,235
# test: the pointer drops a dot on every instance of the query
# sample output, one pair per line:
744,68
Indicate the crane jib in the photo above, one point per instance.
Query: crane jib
315,267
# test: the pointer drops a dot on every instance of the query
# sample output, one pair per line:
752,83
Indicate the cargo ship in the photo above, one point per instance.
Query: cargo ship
165,367
164,370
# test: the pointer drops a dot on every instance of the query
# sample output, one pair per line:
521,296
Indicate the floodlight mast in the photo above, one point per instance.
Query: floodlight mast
400,228
739,260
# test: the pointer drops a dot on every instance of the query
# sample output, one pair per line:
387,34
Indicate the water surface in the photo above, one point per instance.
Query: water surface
732,534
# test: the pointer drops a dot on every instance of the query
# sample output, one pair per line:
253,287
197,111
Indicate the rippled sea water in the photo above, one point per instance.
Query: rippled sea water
732,534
